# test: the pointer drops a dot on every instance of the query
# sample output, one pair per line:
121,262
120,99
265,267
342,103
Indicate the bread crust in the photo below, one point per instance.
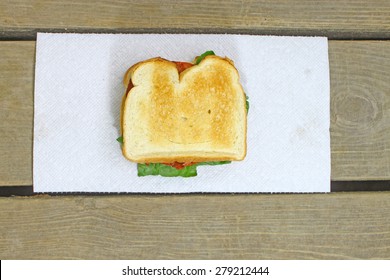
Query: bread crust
171,155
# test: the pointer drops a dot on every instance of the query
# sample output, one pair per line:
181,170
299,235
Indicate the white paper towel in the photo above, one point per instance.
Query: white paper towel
78,91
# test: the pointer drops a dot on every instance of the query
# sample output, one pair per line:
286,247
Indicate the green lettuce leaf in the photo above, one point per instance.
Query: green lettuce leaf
203,55
213,163
169,171
247,103
165,170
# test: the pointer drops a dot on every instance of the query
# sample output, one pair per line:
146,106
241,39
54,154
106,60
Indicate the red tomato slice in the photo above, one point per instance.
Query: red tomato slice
180,165
129,87
181,66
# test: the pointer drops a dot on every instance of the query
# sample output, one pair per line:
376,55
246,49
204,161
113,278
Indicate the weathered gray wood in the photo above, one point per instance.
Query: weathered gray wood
16,112
335,19
360,110
322,226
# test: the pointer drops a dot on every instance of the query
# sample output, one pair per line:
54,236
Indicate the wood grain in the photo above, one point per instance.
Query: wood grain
16,112
360,111
335,19
322,226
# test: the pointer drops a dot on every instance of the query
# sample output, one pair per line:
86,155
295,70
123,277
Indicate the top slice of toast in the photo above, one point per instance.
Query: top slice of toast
195,116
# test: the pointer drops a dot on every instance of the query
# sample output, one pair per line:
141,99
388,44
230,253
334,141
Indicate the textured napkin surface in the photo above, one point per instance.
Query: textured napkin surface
78,91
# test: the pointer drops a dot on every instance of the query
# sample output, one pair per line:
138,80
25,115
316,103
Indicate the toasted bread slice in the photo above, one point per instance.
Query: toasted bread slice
195,116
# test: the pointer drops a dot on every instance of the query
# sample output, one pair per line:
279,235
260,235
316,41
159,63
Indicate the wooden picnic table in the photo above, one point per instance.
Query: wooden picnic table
352,222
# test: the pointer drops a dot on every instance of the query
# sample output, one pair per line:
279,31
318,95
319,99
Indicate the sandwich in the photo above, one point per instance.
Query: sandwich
176,116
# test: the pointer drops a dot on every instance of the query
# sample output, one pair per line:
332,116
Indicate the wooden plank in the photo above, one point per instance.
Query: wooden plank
335,19
322,226
16,112
360,112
